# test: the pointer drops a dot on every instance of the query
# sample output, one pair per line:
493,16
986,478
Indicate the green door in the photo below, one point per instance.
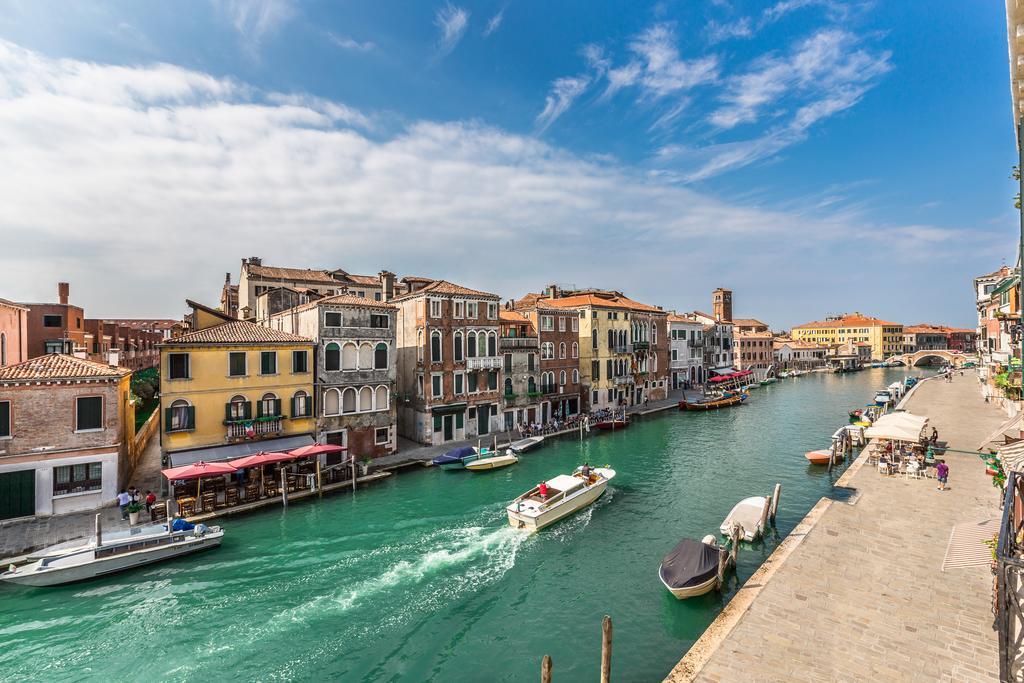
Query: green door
18,494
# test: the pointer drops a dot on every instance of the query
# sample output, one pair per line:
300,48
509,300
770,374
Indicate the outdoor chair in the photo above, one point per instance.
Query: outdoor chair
231,497
209,501
159,512
186,507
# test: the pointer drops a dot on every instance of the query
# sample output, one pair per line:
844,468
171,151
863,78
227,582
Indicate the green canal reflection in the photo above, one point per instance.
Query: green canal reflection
420,577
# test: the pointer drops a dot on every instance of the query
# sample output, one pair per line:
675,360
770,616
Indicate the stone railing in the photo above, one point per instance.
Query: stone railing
483,363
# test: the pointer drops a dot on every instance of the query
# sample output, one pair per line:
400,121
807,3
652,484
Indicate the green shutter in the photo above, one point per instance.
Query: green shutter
227,411
295,407
437,423
191,417
259,409
247,410
459,420
167,419
5,418
277,406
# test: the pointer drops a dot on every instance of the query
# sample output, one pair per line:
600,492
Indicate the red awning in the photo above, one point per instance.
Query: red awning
316,449
260,459
199,469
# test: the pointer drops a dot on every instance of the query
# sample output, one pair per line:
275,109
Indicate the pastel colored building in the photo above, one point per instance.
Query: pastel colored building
885,338
13,333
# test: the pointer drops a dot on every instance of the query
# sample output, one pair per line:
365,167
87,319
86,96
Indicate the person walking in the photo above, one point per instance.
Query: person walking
942,472
123,499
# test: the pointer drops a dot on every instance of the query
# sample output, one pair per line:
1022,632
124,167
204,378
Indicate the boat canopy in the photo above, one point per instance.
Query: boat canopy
454,455
565,482
690,563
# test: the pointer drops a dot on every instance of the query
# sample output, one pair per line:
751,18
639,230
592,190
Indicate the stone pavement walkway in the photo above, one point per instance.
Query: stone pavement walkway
863,596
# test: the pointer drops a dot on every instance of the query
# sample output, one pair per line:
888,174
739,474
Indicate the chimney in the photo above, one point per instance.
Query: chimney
552,292
227,278
255,261
63,290
387,285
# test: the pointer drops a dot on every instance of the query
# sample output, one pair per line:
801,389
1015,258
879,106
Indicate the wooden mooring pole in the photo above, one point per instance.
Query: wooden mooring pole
775,501
353,463
319,481
284,488
606,649
545,669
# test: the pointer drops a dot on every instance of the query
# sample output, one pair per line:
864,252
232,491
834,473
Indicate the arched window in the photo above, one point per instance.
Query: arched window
3,349
575,350
575,376
381,399
180,416
419,345
561,350
531,385
332,357
457,346
492,344
348,400
269,405
332,402
481,343
238,408
349,357
435,347
471,344
300,404
365,356
365,399
508,386
561,378
380,357
593,339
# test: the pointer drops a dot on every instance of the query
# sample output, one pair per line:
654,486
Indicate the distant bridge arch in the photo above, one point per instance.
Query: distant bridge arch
914,359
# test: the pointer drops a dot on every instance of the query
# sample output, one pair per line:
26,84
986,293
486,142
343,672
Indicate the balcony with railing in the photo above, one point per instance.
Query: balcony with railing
622,348
622,379
518,342
483,363
549,388
641,345
257,429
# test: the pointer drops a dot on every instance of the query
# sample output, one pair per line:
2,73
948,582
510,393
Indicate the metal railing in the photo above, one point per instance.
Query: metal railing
236,430
622,379
518,342
1010,582
483,363
641,345
549,388
622,348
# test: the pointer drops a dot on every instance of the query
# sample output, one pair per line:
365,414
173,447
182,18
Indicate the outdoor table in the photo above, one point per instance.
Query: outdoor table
186,506
209,501
252,492
231,496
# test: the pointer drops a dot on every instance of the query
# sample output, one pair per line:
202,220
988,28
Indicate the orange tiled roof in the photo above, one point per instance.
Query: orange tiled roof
676,318
237,332
54,366
508,316
11,304
753,335
445,287
849,321
364,279
344,300
300,274
748,322
600,300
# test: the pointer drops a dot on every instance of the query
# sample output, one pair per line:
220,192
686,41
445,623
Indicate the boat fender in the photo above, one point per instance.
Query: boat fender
709,540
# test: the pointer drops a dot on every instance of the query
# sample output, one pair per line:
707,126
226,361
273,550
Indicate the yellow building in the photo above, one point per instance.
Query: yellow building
885,338
228,389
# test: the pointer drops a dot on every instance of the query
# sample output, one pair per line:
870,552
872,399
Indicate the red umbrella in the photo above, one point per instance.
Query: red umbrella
199,469
316,449
261,458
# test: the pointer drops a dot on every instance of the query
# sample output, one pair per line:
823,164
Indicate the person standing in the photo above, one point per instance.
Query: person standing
942,472
123,499
150,500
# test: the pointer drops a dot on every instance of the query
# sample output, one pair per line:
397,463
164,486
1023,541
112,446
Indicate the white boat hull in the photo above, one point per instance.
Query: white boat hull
34,575
549,517
748,513
491,463
691,591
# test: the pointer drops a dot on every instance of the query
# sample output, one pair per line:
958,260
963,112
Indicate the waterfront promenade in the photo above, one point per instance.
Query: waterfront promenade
863,596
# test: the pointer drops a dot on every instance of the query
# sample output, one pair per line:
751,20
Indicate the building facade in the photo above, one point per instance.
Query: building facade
55,327
449,367
755,352
686,352
228,389
886,338
13,333
65,426
798,355
520,350
355,364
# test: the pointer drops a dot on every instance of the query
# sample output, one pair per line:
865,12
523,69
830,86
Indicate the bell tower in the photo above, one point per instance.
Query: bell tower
721,304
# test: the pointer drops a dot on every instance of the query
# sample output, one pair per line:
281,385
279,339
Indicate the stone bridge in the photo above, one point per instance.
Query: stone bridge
950,357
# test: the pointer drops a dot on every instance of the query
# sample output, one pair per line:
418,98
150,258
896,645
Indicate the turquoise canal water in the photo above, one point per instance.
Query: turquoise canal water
420,577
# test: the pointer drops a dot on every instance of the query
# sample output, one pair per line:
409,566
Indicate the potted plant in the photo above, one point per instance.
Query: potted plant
364,465
134,508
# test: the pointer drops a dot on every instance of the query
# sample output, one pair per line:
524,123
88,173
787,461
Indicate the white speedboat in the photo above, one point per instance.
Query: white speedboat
566,494
491,462
114,552
527,444
691,568
748,514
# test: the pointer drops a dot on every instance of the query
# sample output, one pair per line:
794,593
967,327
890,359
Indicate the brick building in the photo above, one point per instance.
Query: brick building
521,369
55,327
558,333
65,423
754,351
13,333
449,368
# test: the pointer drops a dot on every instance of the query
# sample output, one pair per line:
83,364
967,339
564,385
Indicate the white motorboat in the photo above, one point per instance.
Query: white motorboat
115,552
748,514
527,444
566,494
691,568
491,462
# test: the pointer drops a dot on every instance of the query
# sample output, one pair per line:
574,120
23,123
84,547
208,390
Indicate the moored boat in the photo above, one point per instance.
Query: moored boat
882,397
456,458
715,403
768,380
691,568
565,494
491,462
527,444
117,552
613,423
819,457
748,514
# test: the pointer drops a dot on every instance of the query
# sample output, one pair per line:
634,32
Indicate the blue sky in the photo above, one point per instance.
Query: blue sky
817,156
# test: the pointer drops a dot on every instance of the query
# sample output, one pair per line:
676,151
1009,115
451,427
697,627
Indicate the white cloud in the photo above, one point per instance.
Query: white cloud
664,71
740,28
564,92
452,21
351,44
495,22
167,177
254,19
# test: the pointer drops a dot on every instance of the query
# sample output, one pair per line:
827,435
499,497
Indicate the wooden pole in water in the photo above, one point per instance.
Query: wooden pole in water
723,564
764,514
775,500
606,649
734,551
284,489
99,530
352,462
319,487
545,669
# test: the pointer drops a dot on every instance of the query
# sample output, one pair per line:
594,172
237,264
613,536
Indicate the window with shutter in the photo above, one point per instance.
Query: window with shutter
268,362
5,418
89,413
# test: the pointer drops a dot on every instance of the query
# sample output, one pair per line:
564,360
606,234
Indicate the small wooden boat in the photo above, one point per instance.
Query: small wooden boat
566,494
491,462
527,444
819,457
748,514
855,415
715,403
116,552
768,380
614,423
691,568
